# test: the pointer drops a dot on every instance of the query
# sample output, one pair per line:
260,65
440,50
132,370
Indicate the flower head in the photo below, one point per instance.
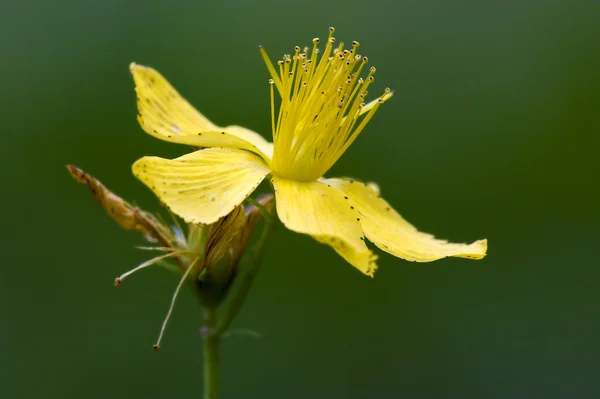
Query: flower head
322,101
322,110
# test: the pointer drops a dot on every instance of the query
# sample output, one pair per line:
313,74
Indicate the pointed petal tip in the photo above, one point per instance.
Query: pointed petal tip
481,245
476,250
371,272
135,66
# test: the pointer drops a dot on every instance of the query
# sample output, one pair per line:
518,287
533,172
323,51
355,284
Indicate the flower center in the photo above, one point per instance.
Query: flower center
322,108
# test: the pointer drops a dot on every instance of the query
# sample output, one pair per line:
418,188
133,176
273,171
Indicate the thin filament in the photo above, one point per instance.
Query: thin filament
164,325
163,249
150,262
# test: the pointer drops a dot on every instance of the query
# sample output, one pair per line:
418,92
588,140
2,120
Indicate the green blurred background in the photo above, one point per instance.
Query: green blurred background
494,133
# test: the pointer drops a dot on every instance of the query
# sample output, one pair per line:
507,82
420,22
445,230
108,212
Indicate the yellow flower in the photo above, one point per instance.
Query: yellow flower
320,114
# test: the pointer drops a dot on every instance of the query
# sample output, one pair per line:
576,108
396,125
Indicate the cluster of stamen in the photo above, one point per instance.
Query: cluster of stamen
322,107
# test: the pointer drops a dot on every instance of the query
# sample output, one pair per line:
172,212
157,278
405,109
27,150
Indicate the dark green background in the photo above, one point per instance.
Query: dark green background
494,133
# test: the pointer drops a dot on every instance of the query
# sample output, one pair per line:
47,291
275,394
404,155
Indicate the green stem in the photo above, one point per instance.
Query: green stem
247,274
211,355
214,327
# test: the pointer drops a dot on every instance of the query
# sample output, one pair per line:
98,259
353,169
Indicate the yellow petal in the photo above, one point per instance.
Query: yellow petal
321,211
166,115
204,185
389,231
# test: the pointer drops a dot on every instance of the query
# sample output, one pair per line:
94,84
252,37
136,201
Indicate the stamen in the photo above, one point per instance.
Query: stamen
271,69
322,100
150,262
371,104
164,325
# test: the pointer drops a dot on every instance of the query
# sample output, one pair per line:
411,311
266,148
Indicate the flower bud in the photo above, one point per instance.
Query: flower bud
226,243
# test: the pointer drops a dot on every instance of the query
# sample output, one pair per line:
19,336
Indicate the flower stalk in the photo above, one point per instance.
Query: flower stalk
215,326
211,355
250,270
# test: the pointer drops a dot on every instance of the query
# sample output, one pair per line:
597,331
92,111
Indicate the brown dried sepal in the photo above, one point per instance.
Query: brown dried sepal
128,216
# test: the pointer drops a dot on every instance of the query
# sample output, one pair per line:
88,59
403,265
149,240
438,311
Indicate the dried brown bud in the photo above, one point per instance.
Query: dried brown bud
128,216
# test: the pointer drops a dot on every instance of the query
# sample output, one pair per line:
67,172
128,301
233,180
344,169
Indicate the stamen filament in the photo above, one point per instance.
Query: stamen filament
372,103
273,127
163,249
164,325
150,262
360,127
271,69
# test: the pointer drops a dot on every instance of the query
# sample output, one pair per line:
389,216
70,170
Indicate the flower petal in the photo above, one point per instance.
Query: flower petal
389,231
204,185
321,211
166,115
